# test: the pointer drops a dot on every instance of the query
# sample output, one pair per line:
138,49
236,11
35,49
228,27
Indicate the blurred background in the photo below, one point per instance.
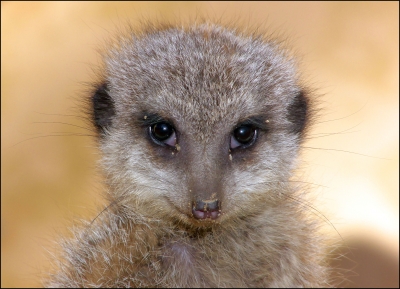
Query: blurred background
348,52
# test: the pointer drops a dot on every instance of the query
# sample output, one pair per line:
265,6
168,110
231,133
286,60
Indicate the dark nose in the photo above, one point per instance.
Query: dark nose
206,209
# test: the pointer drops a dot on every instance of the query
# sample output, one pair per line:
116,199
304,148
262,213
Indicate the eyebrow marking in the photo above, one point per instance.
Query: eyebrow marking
260,121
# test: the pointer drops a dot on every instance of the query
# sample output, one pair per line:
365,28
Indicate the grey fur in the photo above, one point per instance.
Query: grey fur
205,80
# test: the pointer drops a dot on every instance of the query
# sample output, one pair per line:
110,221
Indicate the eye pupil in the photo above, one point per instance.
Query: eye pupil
162,131
244,134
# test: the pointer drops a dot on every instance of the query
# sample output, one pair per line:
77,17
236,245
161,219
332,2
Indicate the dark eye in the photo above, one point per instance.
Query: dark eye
243,136
163,133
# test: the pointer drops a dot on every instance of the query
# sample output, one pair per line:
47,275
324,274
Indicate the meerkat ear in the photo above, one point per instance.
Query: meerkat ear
102,108
298,112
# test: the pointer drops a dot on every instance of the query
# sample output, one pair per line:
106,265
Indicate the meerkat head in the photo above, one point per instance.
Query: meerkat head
200,125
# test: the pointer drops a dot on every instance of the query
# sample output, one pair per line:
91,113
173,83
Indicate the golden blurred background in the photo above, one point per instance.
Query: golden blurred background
349,52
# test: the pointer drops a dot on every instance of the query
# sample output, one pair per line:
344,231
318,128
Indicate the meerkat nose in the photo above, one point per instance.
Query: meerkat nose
206,209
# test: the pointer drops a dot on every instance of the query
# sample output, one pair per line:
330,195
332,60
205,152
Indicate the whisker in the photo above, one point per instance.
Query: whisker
114,202
85,118
62,134
65,123
365,104
316,212
337,150
318,135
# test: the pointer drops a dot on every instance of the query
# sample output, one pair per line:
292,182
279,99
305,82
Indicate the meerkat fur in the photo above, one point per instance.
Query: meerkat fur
202,84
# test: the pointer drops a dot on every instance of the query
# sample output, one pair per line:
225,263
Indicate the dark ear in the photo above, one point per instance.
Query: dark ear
102,108
298,112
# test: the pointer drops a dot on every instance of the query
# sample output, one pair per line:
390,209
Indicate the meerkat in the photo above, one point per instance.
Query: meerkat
199,129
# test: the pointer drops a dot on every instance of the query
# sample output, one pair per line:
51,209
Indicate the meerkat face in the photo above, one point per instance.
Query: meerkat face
199,125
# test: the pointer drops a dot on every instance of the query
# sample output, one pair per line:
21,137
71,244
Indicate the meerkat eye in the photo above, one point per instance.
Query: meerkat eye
243,136
163,133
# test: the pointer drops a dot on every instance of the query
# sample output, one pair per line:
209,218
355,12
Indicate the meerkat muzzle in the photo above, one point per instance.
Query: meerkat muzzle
204,209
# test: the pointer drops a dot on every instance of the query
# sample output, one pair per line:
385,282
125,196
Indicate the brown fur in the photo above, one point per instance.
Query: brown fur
205,80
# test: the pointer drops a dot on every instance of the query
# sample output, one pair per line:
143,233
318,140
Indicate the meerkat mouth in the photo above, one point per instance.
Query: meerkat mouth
201,210
200,215
206,209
